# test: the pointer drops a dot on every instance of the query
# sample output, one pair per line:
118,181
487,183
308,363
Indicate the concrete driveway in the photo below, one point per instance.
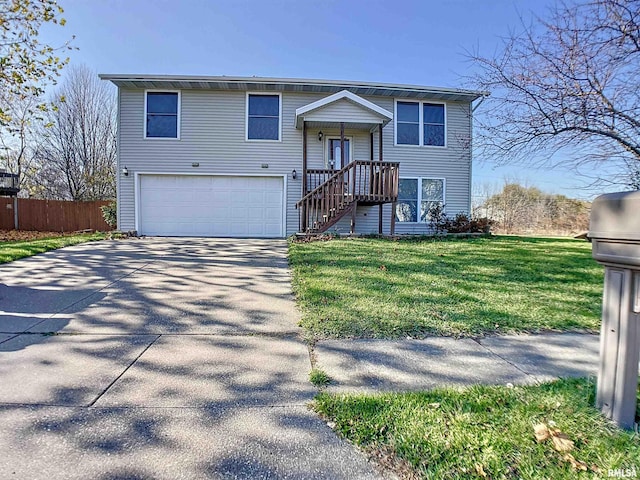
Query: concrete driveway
159,358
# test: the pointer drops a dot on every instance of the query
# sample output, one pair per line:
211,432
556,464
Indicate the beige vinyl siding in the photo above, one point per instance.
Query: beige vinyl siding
345,110
212,133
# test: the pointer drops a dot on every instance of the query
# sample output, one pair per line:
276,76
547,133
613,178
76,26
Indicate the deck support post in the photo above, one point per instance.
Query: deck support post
393,218
380,219
303,212
354,209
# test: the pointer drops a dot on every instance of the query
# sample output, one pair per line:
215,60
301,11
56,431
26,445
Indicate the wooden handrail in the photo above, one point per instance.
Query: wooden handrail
359,182
353,165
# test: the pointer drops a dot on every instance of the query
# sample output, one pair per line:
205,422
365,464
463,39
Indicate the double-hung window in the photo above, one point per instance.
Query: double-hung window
416,196
408,123
433,124
420,123
162,115
263,117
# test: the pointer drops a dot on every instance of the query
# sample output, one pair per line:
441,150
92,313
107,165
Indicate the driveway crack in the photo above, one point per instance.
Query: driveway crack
91,404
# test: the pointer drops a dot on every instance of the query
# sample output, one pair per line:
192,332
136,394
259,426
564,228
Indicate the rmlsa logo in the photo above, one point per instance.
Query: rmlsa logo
623,473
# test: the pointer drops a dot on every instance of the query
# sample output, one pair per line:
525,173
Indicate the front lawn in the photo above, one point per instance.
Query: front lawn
486,432
10,251
456,287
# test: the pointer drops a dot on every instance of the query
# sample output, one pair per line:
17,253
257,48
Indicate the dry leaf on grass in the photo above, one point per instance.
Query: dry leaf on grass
480,470
561,442
577,464
541,432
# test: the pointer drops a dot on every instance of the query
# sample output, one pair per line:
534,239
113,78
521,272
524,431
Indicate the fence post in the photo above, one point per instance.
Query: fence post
16,224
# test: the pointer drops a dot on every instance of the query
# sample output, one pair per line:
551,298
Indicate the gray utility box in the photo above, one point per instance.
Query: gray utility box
615,232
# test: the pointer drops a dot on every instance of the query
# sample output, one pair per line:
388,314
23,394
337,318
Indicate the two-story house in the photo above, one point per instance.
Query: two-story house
269,157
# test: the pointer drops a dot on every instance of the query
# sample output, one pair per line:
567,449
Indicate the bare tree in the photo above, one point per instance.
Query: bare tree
570,83
77,152
16,134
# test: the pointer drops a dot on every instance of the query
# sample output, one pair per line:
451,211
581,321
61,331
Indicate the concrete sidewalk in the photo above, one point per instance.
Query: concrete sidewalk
409,365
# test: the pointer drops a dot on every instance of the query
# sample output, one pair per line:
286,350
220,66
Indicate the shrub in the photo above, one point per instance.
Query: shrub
461,223
110,215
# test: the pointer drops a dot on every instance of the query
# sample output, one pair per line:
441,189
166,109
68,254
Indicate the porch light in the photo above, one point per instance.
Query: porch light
125,171
294,174
320,135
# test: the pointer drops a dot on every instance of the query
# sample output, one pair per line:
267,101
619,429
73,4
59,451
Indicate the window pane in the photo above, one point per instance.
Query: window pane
432,189
264,105
334,150
161,102
434,135
408,189
162,126
424,210
408,112
406,211
408,134
433,113
263,128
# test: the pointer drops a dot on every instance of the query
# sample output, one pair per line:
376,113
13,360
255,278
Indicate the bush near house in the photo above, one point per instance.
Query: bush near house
110,214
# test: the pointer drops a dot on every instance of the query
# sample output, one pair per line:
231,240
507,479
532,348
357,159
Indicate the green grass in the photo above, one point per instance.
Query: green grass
380,288
449,433
10,251
319,377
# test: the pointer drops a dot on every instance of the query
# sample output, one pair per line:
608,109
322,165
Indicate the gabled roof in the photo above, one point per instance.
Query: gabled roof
383,116
292,85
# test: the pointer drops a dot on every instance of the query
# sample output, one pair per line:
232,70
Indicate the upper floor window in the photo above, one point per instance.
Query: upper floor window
162,117
263,117
420,123
408,123
433,124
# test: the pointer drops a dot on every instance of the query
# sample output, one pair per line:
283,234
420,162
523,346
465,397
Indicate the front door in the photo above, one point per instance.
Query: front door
333,152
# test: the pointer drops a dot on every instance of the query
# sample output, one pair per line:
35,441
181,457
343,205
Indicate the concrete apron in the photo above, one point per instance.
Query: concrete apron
159,358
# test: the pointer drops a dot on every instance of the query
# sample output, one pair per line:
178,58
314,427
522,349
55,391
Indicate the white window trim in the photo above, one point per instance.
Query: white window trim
326,148
246,117
444,197
420,122
144,121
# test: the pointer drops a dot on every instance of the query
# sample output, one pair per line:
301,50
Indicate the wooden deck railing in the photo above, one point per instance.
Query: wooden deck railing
365,182
317,176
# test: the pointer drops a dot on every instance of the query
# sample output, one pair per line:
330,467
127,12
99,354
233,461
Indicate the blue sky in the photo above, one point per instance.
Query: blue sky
416,42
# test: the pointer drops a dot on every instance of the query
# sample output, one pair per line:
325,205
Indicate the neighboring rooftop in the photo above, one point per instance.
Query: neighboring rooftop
291,85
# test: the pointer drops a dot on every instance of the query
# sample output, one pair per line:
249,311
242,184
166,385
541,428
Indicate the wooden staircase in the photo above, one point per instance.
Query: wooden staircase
358,183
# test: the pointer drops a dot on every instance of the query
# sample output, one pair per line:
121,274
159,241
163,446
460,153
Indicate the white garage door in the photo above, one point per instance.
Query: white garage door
211,206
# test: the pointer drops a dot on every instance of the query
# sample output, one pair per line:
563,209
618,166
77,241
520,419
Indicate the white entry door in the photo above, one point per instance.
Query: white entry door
211,206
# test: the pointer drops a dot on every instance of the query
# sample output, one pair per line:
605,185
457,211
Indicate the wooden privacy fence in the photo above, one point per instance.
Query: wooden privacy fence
52,215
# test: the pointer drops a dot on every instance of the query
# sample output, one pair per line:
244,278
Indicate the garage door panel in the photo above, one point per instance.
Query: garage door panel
194,205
